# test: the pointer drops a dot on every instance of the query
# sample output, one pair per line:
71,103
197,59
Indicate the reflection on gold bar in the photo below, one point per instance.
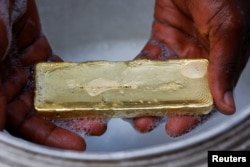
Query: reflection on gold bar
123,89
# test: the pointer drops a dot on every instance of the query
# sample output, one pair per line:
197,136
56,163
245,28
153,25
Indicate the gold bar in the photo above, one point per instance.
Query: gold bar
122,89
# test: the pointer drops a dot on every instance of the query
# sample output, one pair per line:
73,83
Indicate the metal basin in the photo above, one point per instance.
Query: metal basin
83,30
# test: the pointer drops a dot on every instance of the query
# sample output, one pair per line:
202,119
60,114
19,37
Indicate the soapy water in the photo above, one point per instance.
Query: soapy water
121,135
81,126
165,52
157,121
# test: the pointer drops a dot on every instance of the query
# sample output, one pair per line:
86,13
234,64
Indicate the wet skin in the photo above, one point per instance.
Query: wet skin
17,112
216,30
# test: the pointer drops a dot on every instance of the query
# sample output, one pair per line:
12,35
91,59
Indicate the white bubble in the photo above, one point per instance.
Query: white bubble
80,126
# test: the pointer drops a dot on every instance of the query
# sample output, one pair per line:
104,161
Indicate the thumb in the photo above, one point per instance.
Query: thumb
225,59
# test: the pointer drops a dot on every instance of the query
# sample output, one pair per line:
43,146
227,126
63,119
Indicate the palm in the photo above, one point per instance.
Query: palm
215,30
16,94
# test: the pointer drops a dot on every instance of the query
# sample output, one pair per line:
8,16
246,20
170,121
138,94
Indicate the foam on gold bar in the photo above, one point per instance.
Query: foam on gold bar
123,89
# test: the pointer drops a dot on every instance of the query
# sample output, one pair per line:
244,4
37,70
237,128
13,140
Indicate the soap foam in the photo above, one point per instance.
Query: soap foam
165,52
81,126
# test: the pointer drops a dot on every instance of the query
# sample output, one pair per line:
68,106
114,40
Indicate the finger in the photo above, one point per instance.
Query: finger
180,43
14,83
2,110
145,124
39,51
30,42
179,125
226,41
33,128
40,131
27,28
169,12
90,126
19,109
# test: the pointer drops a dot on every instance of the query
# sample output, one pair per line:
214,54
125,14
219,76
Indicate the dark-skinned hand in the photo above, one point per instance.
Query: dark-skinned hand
215,30
22,45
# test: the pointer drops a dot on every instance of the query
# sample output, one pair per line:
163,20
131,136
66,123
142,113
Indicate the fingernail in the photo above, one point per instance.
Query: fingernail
229,101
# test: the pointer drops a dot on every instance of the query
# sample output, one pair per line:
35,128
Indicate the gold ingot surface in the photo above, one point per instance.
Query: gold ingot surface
122,89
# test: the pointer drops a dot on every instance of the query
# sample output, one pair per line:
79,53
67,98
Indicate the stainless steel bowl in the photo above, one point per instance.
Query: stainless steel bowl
83,30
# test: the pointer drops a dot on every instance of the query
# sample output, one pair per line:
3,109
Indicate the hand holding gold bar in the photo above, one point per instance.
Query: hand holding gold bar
123,89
